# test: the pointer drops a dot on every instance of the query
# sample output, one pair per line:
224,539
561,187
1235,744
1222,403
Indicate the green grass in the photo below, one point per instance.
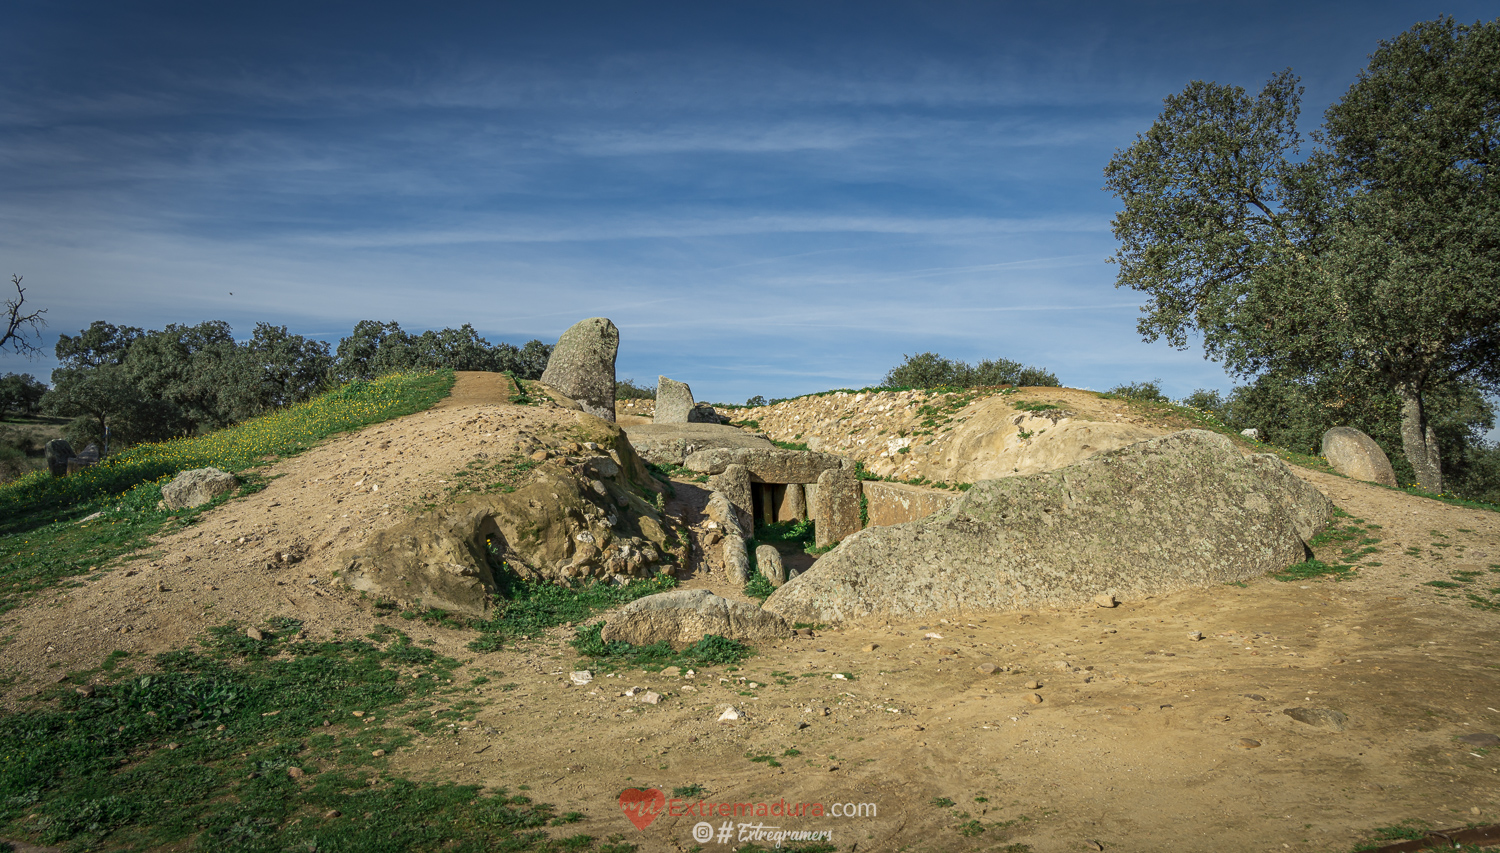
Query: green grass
526,608
712,650
42,546
1314,569
199,754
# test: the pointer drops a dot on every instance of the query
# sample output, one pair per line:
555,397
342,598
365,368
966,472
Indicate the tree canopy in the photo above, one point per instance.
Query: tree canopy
1375,259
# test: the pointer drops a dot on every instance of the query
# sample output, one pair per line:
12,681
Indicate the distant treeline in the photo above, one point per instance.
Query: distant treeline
930,370
147,385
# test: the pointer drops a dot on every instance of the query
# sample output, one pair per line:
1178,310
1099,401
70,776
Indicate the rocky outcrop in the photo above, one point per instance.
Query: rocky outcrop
1354,454
582,366
1182,510
671,444
197,487
591,515
674,401
685,616
768,465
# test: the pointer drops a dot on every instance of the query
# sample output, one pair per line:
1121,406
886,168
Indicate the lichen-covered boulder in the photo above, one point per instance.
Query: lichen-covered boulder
582,366
197,487
685,616
58,451
1354,454
1182,510
768,560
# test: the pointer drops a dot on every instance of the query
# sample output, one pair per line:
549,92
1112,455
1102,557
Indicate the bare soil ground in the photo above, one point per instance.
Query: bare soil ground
1144,739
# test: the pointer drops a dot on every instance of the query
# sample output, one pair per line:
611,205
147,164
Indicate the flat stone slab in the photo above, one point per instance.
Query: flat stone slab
685,616
768,465
671,444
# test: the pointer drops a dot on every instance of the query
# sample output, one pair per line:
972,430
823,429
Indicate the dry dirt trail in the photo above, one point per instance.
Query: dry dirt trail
1144,739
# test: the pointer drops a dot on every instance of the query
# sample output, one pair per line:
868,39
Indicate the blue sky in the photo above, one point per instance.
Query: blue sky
766,198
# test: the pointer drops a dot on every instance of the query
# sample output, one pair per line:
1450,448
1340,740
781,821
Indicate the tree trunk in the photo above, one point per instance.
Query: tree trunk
1418,441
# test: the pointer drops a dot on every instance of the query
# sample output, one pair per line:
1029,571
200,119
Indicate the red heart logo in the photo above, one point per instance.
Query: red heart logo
642,807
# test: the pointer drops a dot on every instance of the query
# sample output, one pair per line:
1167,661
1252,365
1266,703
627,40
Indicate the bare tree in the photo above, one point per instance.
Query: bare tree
17,324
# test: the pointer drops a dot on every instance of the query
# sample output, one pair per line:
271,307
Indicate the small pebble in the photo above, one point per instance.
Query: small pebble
379,753
1032,685
1034,698
1248,743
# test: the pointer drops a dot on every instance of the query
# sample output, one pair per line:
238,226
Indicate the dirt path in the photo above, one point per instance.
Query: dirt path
1144,740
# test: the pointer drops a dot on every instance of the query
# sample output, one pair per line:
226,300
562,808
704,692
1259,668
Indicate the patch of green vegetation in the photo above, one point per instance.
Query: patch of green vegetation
690,792
526,608
251,745
767,760
521,396
481,476
42,543
712,650
1035,406
1314,569
1443,584
1407,830
791,445
759,587
943,802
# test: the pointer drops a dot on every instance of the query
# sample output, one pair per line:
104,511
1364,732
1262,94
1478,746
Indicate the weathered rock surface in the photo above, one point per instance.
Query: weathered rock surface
1182,510
685,616
768,465
838,506
734,485
59,451
898,503
736,559
582,366
670,444
575,517
674,401
768,559
197,487
1354,454
793,506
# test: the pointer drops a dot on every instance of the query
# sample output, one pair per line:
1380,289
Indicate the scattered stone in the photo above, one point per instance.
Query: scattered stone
1130,707
1092,844
672,671
932,635
582,366
379,753
729,715
869,647
1354,454
580,677
1255,697
295,772
254,634
769,561
1034,698
1032,685
683,617
674,401
1250,516
87,690
1105,599
989,668
1252,433
1484,739
1195,635
1323,718
197,487
332,813
650,697
1248,743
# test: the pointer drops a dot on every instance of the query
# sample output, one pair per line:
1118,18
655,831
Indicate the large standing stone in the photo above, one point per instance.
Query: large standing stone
685,616
768,559
197,487
1354,454
58,452
582,366
898,503
793,506
1182,510
838,506
674,401
734,484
